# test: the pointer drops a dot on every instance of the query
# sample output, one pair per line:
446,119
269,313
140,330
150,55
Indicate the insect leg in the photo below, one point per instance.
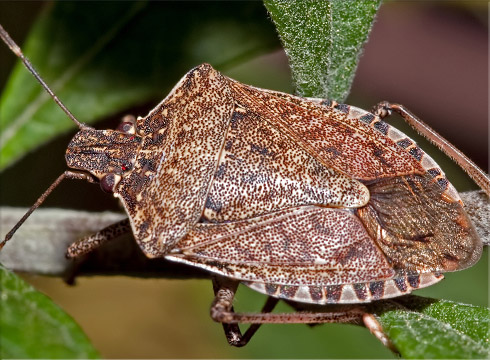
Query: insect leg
222,311
91,242
66,175
375,328
385,108
224,293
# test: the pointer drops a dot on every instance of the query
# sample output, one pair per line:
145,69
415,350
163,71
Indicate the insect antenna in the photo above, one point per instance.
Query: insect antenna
18,52
66,175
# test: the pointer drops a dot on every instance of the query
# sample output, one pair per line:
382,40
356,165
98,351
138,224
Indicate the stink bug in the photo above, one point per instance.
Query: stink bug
300,199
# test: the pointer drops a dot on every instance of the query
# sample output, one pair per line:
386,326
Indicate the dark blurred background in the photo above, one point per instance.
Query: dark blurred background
430,56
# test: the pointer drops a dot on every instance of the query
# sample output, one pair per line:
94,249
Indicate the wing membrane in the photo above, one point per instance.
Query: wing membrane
417,227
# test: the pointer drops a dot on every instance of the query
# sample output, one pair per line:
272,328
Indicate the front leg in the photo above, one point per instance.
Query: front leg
92,242
89,243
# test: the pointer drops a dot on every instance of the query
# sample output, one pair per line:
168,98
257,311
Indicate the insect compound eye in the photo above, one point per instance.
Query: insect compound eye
127,125
107,183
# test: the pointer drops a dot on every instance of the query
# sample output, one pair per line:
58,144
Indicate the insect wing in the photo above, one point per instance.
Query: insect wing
417,227
309,245
308,254
182,137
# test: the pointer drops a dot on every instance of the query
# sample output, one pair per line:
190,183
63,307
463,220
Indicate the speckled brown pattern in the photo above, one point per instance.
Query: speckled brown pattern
301,199
307,245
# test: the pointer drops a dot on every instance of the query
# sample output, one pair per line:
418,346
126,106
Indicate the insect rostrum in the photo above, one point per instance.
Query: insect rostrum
300,199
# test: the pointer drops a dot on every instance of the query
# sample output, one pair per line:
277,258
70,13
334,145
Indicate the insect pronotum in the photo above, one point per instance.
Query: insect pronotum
305,200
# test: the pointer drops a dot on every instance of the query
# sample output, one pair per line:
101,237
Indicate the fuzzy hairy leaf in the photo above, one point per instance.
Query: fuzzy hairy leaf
32,326
323,41
437,329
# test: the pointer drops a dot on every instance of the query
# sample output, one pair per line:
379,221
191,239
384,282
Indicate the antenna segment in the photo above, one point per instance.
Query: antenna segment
18,52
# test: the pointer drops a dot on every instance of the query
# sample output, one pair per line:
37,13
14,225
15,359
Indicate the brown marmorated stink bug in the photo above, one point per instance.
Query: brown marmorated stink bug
304,200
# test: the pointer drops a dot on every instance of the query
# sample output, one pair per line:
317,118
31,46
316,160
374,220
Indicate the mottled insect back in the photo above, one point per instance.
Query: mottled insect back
298,198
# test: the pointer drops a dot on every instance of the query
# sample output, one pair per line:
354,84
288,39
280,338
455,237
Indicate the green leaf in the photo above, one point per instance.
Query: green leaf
424,328
32,326
323,41
102,58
